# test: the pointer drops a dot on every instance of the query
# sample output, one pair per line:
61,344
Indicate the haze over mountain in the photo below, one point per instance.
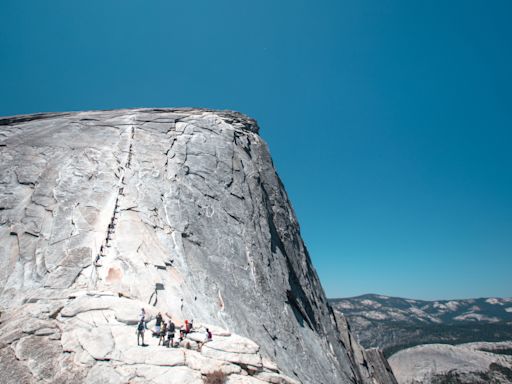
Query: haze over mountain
394,323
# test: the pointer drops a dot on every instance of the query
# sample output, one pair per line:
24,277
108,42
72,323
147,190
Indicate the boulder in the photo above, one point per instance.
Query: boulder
234,344
13,370
275,378
240,379
41,356
98,342
102,374
206,365
252,359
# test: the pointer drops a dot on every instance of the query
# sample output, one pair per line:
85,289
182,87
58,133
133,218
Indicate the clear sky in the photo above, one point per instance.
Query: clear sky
390,122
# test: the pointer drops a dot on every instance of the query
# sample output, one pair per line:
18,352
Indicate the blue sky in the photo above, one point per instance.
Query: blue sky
390,122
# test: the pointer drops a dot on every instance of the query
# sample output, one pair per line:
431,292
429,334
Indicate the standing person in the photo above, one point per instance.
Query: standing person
186,327
141,326
170,333
158,324
190,326
163,332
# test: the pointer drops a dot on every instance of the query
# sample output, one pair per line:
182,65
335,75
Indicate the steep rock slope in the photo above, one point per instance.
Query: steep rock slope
370,364
176,210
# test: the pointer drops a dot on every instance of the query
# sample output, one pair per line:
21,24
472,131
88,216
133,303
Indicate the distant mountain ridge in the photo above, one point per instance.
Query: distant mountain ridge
395,323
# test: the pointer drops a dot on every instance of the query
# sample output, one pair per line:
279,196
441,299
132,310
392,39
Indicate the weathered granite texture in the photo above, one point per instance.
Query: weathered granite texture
177,210
89,338
369,365
470,363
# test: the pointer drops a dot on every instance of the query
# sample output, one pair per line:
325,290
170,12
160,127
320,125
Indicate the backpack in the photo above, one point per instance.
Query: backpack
140,327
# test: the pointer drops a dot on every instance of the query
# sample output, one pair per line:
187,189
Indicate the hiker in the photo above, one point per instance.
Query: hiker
208,337
158,324
186,327
170,334
163,332
190,326
141,327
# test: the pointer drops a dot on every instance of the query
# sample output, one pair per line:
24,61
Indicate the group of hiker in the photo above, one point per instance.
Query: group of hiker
166,331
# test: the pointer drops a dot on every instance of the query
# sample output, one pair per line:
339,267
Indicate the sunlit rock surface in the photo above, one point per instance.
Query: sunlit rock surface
178,211
470,363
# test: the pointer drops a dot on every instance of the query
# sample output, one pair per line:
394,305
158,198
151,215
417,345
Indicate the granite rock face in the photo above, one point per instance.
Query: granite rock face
174,210
370,365
469,363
